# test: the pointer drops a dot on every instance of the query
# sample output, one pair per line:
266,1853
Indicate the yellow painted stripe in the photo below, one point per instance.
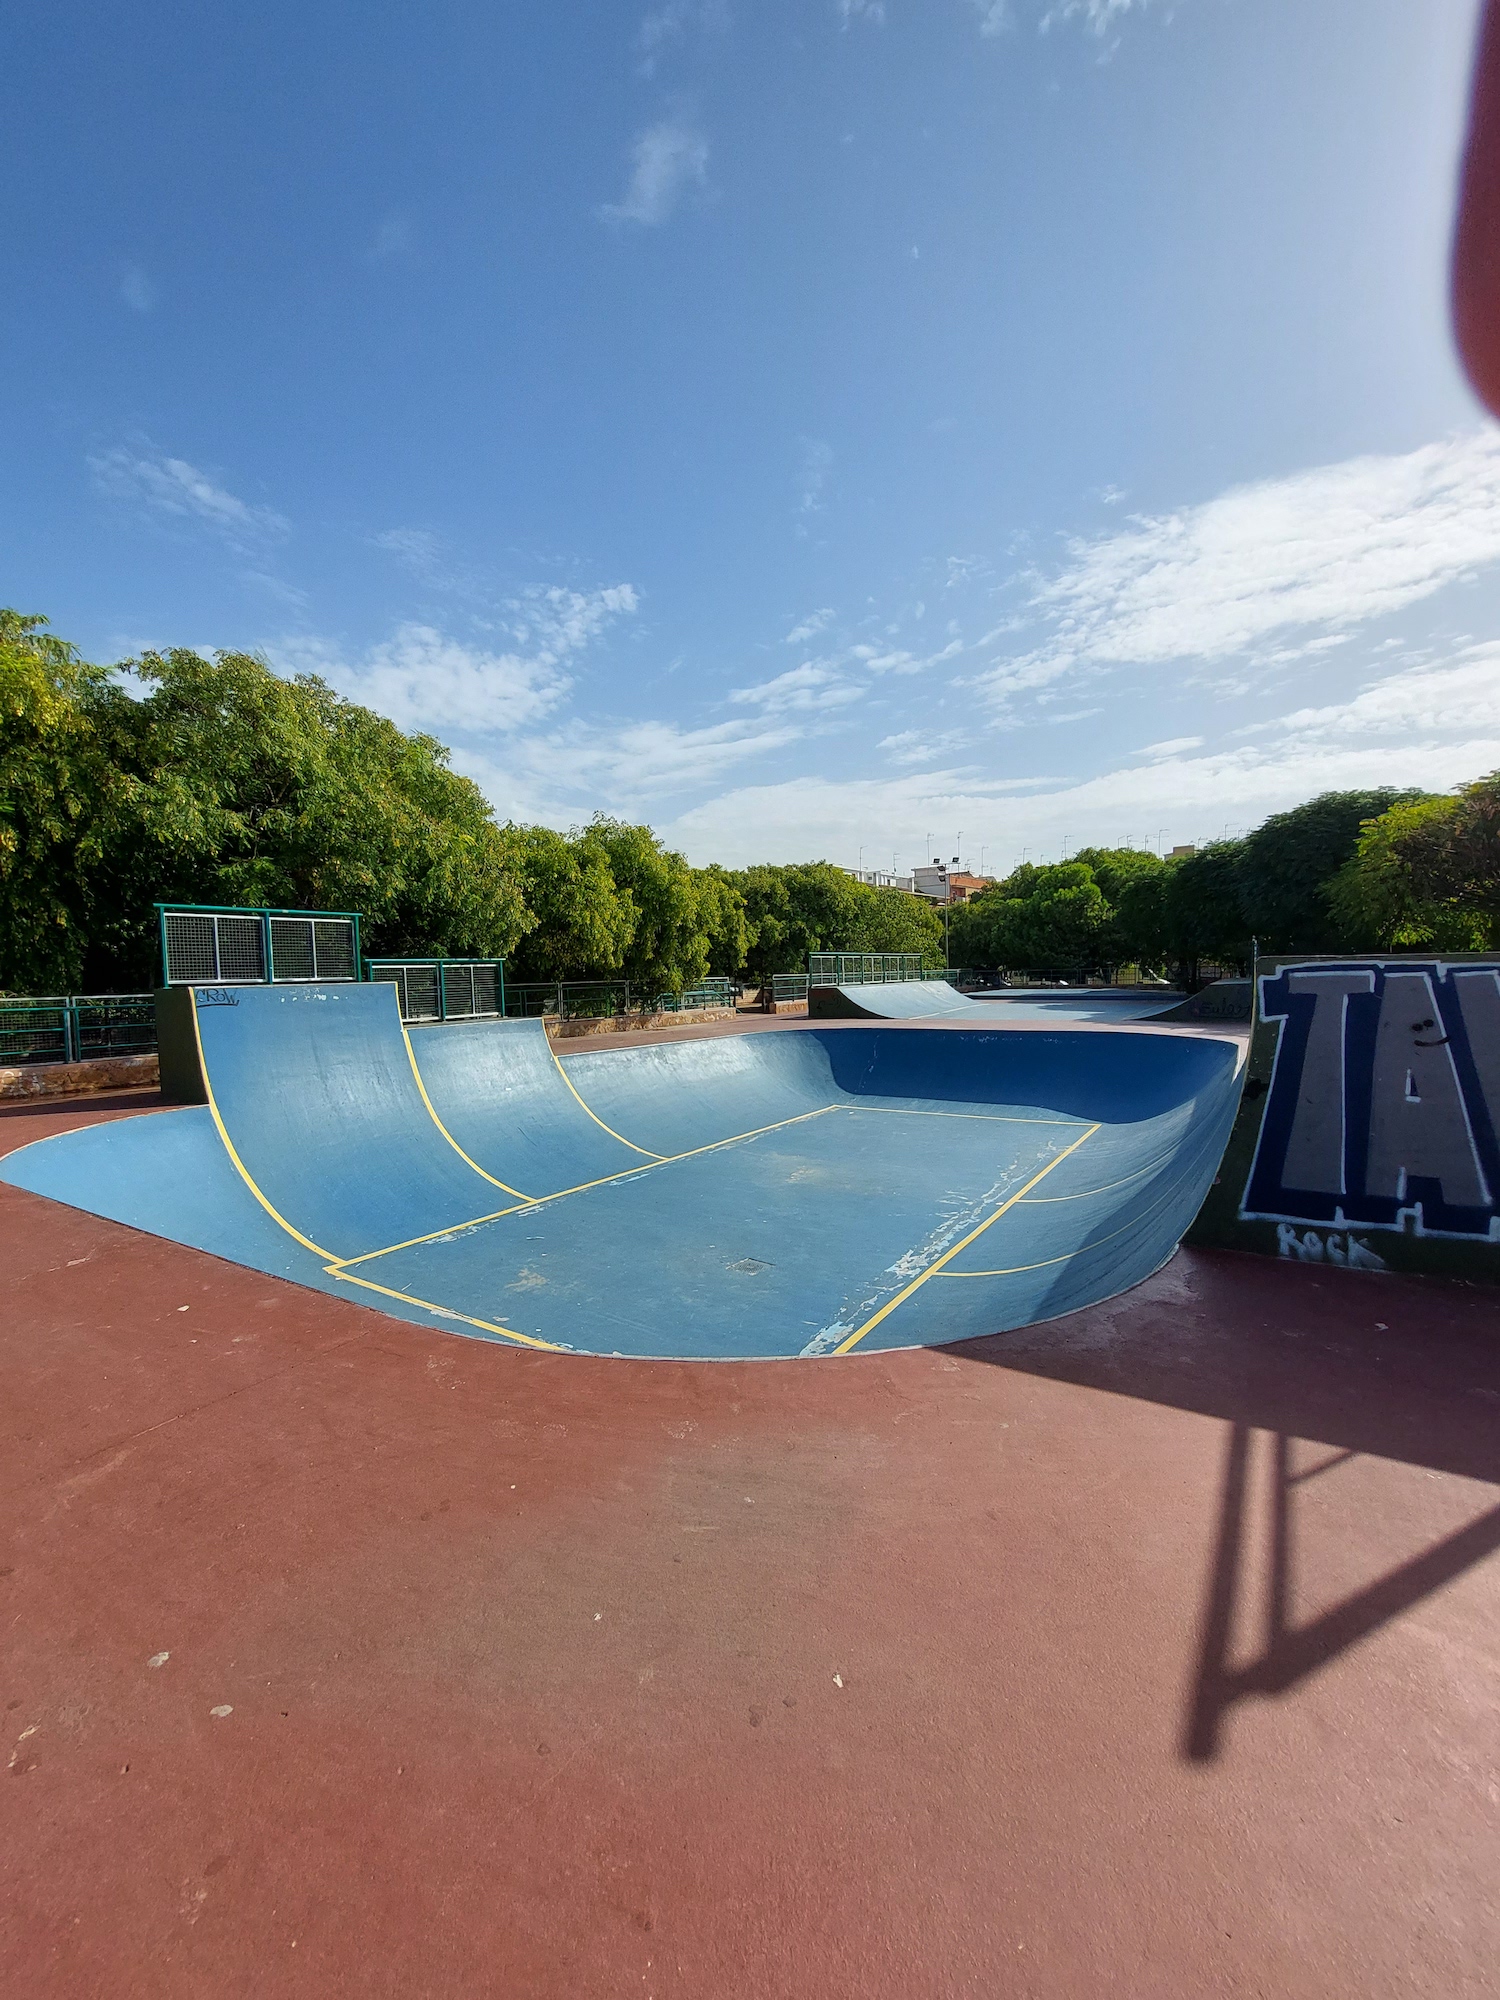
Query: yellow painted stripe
1051,1200
243,1171
1068,1255
599,1121
411,1056
541,1200
446,1312
853,1339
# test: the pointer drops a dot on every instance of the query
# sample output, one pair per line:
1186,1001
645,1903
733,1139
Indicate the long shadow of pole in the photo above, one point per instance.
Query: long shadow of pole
1291,1653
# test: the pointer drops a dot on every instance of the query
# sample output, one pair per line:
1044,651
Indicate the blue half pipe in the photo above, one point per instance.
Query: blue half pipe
812,1191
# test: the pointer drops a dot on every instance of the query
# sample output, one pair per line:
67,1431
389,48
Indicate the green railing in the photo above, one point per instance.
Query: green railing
443,989
204,944
863,968
76,1027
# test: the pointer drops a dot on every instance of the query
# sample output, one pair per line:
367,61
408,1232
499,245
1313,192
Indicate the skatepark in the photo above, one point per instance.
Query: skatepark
405,1548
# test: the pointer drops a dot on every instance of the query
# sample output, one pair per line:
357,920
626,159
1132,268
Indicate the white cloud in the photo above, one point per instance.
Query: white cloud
1302,560
1431,702
898,660
172,488
1172,746
861,10
137,290
423,679
1433,728
1098,16
621,768
417,548
914,746
664,24
816,464
816,684
667,161
809,627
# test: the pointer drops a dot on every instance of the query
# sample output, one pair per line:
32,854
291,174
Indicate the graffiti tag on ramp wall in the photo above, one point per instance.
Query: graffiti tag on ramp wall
1369,1131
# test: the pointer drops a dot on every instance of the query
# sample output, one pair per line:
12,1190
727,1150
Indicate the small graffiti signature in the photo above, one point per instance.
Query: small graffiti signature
216,996
1333,1248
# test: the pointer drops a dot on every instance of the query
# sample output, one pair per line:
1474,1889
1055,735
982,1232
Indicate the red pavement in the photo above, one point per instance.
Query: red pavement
1151,1652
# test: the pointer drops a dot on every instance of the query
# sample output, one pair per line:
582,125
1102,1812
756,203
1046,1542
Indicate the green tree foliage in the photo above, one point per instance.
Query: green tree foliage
60,803
1455,861
1286,866
1049,916
1201,913
583,922
1425,876
668,948
814,906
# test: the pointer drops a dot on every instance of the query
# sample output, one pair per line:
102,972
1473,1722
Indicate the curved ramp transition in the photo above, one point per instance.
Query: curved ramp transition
811,1191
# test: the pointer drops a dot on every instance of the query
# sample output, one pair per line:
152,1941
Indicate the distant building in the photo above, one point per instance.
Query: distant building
1181,853
882,878
949,883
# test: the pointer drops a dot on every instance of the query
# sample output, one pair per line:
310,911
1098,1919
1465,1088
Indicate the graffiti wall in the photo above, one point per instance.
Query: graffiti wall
1369,1129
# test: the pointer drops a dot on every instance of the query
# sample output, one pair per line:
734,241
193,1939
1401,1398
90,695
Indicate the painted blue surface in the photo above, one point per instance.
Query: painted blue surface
929,999
758,1195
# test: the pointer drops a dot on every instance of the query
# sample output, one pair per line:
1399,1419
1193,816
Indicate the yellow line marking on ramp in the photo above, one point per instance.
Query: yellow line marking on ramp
244,1172
600,1122
540,1201
1068,1255
853,1339
411,1056
446,1312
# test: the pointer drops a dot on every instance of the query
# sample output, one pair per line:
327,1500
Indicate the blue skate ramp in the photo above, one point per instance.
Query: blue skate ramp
891,1000
810,1191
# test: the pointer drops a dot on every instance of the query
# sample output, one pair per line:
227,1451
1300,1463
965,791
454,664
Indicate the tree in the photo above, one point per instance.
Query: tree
61,803
1132,880
1383,898
1201,909
1455,858
583,922
1287,864
721,915
792,911
894,920
1053,917
668,948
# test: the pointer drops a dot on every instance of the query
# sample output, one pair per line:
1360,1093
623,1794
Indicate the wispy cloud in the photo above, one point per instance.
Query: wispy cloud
1433,727
671,21
137,290
163,488
1097,16
909,747
423,678
815,685
810,626
861,10
815,467
1295,564
668,160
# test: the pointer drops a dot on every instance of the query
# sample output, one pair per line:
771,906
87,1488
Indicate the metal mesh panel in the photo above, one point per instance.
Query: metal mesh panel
334,944
422,993
458,990
392,975
241,948
292,948
486,990
190,949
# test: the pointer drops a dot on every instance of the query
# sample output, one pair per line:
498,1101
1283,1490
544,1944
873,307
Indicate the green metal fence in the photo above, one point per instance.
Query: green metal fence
76,1027
443,989
863,968
209,945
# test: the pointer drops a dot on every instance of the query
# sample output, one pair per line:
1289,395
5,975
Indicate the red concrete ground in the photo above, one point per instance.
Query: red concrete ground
1151,1652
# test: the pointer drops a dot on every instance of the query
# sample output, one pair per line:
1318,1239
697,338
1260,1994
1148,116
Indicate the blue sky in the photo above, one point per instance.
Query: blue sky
818,427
